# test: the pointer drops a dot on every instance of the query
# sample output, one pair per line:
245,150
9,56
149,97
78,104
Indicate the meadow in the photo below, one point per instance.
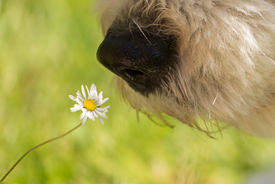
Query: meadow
47,51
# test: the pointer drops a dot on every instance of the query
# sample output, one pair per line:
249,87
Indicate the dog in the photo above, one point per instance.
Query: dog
207,63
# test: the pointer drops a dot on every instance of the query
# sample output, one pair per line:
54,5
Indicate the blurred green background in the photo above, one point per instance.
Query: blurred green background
47,51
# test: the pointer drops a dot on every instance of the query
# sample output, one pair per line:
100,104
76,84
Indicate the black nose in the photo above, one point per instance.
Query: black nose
140,58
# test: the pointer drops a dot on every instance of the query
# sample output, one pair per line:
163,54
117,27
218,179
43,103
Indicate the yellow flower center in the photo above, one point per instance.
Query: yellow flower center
89,104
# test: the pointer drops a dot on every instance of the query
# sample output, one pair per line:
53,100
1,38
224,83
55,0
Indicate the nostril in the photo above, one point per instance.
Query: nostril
135,78
133,74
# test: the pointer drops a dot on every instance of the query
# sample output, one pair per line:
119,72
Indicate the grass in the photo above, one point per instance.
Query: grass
48,49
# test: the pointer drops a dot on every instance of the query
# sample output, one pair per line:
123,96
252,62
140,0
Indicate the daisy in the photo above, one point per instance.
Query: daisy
90,104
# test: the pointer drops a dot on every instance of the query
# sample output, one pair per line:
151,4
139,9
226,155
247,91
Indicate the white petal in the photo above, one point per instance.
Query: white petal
73,109
93,92
79,95
91,116
104,109
83,113
72,97
100,96
101,120
102,101
79,102
87,91
84,120
76,108
101,114
83,91
95,114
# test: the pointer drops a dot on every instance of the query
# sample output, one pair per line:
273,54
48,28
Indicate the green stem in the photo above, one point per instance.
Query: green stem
37,146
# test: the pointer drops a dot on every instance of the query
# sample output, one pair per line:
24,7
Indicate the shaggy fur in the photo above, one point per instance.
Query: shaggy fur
225,69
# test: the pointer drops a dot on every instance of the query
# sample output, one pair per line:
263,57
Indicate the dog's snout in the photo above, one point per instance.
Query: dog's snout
136,57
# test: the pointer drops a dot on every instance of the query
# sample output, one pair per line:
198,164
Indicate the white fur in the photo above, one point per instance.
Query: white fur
226,71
